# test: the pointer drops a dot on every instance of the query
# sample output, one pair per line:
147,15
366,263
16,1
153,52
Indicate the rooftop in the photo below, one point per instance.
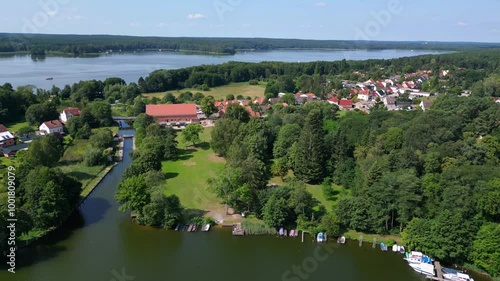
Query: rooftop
171,109
53,124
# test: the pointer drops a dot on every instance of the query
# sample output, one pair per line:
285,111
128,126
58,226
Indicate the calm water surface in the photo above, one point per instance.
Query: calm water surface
22,70
99,242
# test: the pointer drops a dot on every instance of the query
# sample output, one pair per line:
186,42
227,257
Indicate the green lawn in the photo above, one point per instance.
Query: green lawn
14,127
236,89
187,176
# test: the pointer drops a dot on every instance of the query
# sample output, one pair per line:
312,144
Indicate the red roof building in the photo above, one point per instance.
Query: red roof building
3,128
173,114
345,103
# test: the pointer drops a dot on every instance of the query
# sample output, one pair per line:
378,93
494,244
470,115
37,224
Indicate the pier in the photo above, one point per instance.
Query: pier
439,272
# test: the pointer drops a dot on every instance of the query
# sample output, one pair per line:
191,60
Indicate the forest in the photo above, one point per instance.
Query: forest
39,44
430,177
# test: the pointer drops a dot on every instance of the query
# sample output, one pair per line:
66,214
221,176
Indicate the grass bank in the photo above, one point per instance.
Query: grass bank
221,92
187,177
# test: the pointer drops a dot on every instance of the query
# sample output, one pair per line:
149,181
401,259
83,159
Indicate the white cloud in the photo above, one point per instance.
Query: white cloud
246,25
196,16
52,13
161,24
321,4
134,24
216,25
461,23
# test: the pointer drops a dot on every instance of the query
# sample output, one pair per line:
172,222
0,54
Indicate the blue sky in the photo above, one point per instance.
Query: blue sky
396,20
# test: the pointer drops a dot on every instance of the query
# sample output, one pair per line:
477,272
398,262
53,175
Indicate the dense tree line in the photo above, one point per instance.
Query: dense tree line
431,176
38,44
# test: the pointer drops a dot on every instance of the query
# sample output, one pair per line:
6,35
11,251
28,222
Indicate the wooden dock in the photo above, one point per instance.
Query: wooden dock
439,272
238,229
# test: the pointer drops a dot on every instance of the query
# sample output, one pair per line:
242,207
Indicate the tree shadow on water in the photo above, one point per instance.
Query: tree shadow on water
94,209
48,246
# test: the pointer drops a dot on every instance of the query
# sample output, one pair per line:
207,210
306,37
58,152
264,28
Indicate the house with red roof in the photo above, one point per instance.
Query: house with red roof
333,100
69,113
345,104
3,128
259,100
173,114
51,127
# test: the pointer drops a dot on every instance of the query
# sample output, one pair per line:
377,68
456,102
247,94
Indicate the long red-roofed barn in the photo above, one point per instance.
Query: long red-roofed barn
173,114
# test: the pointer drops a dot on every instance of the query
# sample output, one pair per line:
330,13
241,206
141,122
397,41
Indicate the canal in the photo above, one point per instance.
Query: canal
101,243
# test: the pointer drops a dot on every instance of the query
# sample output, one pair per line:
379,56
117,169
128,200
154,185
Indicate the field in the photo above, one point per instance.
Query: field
187,176
71,162
14,127
220,93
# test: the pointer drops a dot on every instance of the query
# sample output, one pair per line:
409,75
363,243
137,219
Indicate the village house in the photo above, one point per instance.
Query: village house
51,127
6,137
68,113
345,104
173,114
425,104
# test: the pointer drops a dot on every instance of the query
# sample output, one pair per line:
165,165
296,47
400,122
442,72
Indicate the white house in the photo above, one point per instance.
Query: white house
68,113
51,127
364,95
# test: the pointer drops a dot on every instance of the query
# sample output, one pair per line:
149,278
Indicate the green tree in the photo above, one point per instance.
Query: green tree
208,106
50,195
485,252
77,128
331,224
230,97
275,211
289,99
310,155
169,98
39,113
235,111
133,194
162,211
102,139
93,156
44,151
192,133
223,135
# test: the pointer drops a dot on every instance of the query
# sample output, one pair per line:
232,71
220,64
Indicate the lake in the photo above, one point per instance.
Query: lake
101,243
22,70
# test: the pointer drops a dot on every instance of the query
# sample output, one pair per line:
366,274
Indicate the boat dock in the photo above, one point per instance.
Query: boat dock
439,272
238,229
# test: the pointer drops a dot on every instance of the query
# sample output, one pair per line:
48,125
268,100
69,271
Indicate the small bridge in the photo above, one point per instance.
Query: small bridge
122,118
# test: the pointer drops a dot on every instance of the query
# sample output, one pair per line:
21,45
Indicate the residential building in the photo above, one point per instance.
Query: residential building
425,104
51,127
6,139
173,114
69,113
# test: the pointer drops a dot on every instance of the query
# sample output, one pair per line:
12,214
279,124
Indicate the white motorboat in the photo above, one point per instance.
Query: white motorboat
455,275
424,268
206,227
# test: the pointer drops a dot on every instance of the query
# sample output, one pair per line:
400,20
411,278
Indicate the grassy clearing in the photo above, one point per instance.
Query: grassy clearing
368,238
187,176
218,93
14,127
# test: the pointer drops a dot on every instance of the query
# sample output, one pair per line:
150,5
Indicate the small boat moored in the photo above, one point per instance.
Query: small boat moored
282,231
395,248
341,240
455,275
206,227
383,246
320,238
